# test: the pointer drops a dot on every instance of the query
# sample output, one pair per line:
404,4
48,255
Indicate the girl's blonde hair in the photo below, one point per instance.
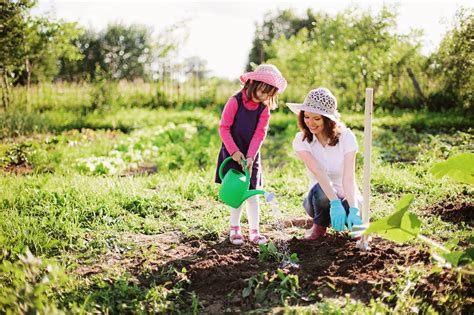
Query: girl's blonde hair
252,86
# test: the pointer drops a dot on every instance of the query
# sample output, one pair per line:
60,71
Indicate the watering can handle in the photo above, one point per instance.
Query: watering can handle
221,169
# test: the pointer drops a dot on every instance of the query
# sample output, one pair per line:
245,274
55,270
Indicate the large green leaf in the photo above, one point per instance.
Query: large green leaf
459,167
459,258
401,226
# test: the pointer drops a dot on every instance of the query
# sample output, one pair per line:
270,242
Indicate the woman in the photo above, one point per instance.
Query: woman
328,150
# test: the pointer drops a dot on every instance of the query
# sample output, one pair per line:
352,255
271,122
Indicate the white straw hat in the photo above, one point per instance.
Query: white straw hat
319,101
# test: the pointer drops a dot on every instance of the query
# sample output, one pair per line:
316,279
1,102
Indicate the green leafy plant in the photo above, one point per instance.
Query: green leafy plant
284,285
256,285
403,226
459,167
28,285
270,251
17,155
288,285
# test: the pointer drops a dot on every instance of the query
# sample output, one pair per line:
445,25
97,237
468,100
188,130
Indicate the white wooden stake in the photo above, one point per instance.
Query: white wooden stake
369,104
369,96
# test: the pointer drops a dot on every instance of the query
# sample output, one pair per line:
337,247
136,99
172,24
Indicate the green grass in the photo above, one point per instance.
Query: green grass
62,210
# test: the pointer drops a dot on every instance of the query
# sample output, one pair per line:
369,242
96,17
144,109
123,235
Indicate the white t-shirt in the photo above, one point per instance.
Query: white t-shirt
331,158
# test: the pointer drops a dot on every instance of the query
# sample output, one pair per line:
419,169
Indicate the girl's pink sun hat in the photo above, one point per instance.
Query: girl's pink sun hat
268,74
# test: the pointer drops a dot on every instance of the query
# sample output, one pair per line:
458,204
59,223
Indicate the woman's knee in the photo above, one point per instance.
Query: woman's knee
318,198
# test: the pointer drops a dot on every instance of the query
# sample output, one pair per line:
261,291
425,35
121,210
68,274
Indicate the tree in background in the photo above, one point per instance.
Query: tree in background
283,23
454,64
12,24
31,46
348,52
84,69
355,49
46,41
125,51
119,52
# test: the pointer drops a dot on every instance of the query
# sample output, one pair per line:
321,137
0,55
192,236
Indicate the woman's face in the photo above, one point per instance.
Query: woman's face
314,122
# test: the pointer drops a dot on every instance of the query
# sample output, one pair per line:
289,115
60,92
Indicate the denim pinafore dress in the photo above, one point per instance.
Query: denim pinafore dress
242,131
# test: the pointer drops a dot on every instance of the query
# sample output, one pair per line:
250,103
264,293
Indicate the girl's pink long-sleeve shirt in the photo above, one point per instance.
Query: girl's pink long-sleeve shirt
228,114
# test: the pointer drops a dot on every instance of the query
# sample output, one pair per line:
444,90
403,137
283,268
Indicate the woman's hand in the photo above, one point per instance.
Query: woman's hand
238,157
338,215
353,218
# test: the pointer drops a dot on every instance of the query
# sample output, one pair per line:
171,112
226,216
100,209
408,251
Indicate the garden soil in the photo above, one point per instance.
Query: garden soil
460,210
332,267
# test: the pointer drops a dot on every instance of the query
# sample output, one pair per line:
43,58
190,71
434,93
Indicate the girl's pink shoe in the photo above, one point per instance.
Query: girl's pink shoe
235,237
257,238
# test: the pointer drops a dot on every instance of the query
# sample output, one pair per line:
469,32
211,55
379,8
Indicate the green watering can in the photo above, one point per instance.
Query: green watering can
235,186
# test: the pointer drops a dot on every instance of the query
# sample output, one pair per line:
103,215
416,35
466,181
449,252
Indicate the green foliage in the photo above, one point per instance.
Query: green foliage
460,258
453,62
16,155
30,285
283,23
401,226
12,20
45,42
262,286
104,95
459,167
83,219
270,251
348,52
120,52
356,49
121,295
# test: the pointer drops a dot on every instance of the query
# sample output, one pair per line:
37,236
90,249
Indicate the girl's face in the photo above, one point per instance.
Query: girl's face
262,96
314,122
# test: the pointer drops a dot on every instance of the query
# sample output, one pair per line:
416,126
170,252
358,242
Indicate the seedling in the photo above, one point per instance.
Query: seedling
270,251
286,286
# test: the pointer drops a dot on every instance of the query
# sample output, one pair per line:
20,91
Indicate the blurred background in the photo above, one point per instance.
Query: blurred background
416,55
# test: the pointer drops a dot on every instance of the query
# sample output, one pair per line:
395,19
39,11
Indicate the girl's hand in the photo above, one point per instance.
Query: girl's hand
238,157
249,162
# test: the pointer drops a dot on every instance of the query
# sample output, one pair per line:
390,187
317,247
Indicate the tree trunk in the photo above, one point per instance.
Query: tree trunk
28,79
5,88
416,85
398,83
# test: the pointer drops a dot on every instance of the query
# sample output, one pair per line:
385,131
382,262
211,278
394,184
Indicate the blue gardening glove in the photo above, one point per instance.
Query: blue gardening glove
353,218
338,215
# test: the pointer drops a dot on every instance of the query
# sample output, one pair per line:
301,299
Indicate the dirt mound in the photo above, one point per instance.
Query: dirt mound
141,169
218,272
330,267
454,211
337,261
20,169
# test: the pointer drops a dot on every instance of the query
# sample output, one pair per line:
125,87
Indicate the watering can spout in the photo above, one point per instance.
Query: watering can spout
250,193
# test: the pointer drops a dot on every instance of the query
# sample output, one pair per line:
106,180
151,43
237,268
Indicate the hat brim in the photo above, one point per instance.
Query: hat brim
297,108
266,77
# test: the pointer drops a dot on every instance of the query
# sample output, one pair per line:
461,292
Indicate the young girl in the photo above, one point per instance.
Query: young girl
328,150
243,128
